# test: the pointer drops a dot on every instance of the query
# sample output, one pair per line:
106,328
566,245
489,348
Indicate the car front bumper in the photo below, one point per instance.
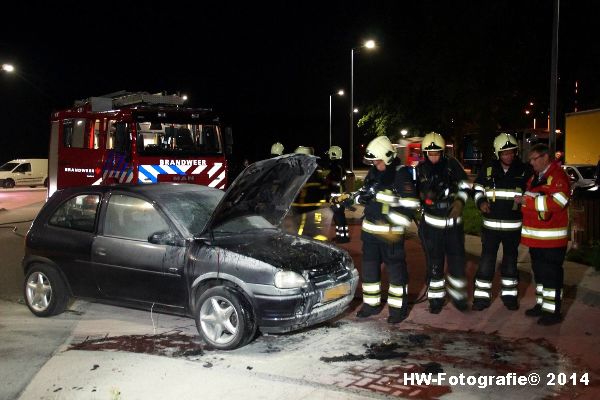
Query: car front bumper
281,313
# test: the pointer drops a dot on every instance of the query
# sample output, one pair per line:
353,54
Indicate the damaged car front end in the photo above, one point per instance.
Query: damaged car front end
291,282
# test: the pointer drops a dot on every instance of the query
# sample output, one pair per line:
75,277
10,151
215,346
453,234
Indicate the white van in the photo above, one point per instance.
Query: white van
29,172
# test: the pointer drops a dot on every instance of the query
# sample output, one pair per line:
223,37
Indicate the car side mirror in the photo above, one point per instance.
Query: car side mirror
165,237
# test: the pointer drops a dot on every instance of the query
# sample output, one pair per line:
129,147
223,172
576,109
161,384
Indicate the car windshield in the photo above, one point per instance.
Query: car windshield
170,138
9,166
244,224
191,208
587,172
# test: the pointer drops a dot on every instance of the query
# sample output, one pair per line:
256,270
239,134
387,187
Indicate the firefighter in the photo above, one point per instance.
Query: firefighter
443,190
334,181
545,231
494,193
310,199
276,149
390,201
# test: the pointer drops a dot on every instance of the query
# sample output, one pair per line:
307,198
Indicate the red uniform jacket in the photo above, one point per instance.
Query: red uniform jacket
545,210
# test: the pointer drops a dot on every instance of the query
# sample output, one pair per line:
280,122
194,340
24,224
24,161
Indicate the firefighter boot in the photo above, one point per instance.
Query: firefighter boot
550,319
480,304
367,311
398,315
461,305
436,305
535,311
510,302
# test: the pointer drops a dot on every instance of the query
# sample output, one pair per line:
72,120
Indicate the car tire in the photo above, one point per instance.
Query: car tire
9,183
45,291
224,319
46,182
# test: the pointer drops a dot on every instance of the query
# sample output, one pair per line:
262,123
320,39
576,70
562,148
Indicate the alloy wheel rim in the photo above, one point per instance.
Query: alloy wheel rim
219,320
38,291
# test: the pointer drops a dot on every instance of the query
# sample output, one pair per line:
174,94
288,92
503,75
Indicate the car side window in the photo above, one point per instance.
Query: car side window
78,213
25,167
132,218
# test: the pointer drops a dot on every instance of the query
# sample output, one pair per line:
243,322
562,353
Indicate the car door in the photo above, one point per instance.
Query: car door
66,239
23,175
127,266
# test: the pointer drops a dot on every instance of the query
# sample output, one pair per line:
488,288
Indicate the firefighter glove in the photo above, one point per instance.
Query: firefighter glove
365,196
343,200
456,209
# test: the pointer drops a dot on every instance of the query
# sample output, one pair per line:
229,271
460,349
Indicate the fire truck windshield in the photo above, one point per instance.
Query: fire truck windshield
178,139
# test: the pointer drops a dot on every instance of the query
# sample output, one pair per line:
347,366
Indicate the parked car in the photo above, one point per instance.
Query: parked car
580,175
28,172
218,257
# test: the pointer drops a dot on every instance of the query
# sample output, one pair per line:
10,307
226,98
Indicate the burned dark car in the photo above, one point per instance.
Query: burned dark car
217,257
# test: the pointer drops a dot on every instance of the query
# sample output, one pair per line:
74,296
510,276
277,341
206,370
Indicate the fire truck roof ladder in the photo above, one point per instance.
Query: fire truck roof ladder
124,98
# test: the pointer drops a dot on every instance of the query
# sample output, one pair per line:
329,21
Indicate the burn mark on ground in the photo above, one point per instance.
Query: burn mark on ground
435,350
378,351
174,345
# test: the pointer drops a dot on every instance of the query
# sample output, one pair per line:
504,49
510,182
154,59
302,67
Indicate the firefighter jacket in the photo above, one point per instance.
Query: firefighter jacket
438,186
334,178
498,189
391,205
545,211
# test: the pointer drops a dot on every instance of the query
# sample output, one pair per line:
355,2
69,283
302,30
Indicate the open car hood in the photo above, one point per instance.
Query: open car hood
266,188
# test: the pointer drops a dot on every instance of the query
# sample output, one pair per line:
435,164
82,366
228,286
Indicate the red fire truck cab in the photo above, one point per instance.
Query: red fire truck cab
137,138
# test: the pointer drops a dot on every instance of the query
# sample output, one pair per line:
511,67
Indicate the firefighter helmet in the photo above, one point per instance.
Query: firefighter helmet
334,153
433,142
380,148
503,142
277,149
304,150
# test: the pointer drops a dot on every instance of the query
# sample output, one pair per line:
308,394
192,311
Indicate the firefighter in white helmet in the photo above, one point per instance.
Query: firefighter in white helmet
334,181
390,202
495,189
276,149
304,150
443,190
310,199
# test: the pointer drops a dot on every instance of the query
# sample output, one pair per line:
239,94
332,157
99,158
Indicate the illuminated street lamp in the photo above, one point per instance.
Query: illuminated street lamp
184,97
8,68
339,93
369,44
404,132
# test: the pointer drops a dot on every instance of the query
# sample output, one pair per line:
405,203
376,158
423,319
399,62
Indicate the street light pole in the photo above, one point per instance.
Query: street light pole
330,121
369,44
351,152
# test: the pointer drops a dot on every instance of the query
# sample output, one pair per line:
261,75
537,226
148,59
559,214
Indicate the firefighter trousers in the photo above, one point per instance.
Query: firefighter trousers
490,243
394,258
547,265
440,243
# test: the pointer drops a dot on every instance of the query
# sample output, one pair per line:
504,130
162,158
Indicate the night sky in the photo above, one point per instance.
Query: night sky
268,68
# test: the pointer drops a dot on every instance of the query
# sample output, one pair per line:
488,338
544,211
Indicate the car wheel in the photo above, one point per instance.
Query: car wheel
223,318
45,291
46,182
9,183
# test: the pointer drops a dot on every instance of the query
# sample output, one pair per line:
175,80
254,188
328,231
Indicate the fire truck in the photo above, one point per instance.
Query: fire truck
137,138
